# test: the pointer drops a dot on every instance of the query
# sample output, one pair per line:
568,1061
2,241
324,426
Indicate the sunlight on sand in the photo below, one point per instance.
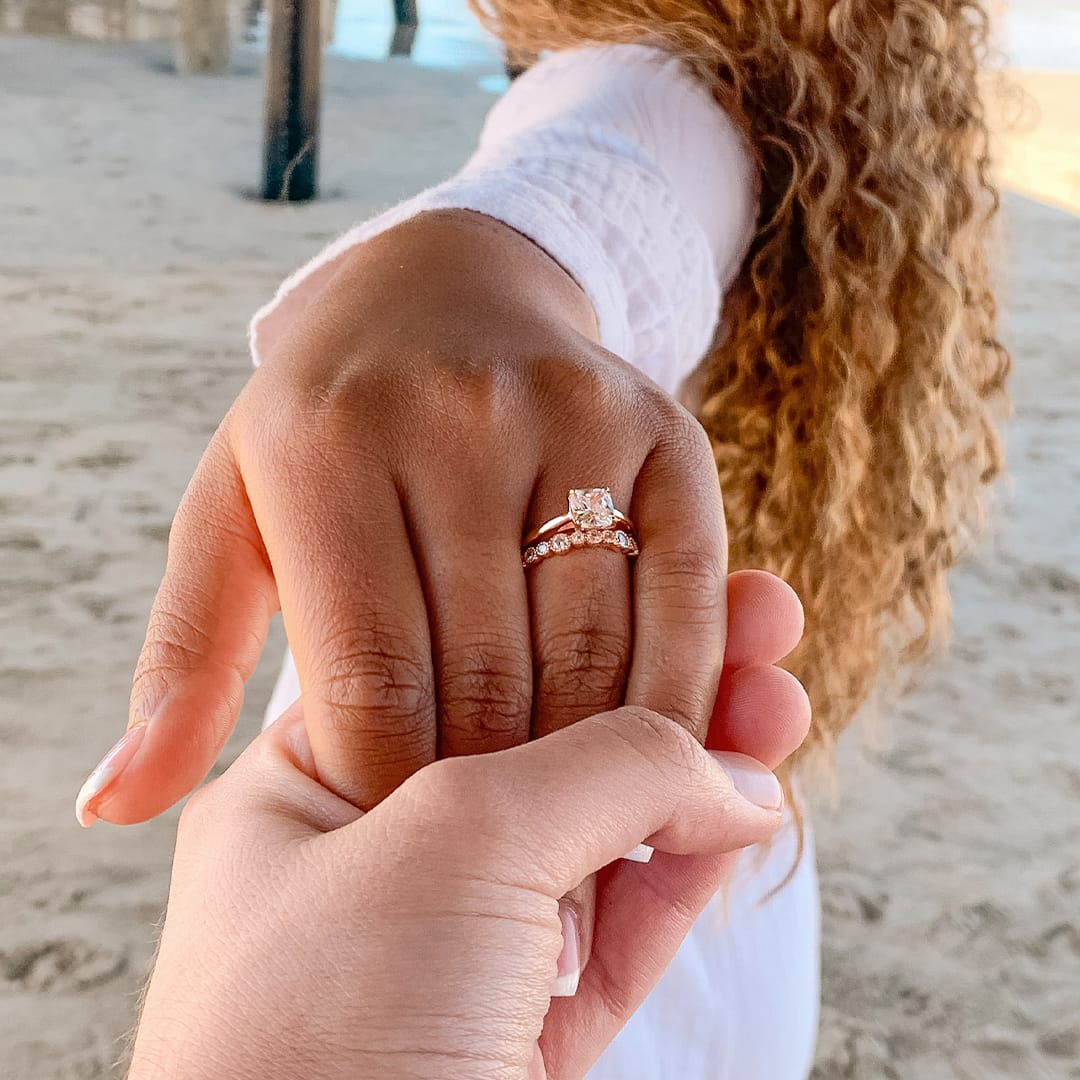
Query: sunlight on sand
1037,119
1039,138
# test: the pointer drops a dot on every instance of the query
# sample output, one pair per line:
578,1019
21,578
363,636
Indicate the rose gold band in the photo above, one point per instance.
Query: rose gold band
565,523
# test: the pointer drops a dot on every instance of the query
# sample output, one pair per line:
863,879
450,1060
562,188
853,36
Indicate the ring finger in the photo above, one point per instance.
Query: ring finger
581,606
582,619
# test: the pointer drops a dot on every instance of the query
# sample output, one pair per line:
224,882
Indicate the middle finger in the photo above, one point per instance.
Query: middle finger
467,550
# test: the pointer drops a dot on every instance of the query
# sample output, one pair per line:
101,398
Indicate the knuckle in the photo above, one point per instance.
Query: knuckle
594,386
173,641
463,401
678,430
583,665
174,645
474,387
183,623
201,816
308,431
461,788
486,692
694,579
220,817
379,687
266,433
657,738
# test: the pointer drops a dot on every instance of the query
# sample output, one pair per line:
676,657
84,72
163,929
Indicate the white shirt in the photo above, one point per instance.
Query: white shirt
619,163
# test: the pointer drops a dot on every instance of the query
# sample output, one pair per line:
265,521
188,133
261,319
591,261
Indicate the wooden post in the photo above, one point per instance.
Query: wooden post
406,22
293,70
202,37
329,20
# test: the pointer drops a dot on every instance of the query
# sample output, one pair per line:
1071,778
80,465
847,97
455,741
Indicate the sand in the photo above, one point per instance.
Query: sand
129,262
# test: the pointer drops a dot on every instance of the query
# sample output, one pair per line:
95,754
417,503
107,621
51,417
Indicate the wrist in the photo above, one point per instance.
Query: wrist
452,256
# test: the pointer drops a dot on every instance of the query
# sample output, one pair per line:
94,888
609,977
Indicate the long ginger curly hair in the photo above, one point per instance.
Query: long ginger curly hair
852,400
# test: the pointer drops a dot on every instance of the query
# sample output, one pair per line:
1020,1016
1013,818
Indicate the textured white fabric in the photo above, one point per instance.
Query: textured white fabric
620,165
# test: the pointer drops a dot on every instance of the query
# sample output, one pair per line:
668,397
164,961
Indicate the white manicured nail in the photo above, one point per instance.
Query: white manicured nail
108,769
642,853
751,779
569,970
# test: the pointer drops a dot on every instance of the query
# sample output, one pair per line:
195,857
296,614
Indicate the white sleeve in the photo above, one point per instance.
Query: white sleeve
617,161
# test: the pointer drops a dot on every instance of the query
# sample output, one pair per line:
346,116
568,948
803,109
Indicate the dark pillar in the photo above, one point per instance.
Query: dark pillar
293,70
407,20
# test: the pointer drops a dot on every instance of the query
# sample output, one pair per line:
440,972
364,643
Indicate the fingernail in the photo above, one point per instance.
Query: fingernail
642,853
569,971
751,779
109,768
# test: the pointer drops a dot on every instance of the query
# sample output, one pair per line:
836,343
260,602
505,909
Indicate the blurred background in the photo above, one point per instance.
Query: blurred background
132,253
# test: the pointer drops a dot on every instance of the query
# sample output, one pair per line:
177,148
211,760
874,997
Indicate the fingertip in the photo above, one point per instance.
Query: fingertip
159,761
107,775
762,711
765,619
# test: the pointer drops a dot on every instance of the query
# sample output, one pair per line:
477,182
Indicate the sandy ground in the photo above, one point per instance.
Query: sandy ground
129,262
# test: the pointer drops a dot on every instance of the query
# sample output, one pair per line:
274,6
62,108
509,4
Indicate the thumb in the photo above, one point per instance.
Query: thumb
558,809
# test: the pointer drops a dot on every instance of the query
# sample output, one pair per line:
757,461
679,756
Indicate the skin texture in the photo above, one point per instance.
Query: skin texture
420,939
374,480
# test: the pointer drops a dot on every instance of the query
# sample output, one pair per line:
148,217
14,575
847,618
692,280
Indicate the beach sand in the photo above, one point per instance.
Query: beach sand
129,263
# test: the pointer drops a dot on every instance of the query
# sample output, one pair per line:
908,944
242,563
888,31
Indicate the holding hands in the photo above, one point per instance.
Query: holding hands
361,894
374,481
305,938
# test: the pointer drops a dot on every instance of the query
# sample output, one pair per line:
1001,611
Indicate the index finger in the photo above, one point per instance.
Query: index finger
204,638
680,580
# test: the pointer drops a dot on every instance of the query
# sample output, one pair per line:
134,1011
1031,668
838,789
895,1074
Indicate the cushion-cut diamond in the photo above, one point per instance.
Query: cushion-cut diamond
592,508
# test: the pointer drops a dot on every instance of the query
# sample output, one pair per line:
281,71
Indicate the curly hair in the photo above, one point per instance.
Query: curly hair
852,400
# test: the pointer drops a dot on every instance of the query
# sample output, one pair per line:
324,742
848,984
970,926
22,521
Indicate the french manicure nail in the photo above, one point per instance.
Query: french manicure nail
109,768
642,853
751,779
569,971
